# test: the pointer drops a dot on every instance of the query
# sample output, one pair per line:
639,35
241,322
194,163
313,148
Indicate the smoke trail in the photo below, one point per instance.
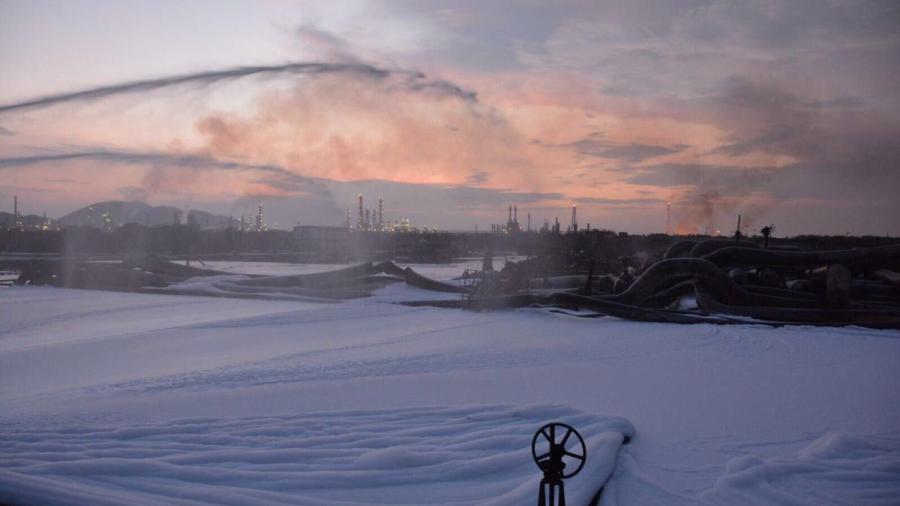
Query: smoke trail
132,157
272,176
418,81
415,81
279,177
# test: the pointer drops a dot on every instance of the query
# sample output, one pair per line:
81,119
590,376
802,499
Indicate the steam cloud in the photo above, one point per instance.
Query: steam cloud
413,80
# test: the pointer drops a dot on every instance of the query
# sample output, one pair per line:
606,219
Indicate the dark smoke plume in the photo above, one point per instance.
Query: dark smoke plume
297,182
188,161
415,81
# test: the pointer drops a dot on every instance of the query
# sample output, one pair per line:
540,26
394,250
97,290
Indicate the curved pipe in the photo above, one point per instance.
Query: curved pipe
875,318
708,246
680,248
879,256
713,279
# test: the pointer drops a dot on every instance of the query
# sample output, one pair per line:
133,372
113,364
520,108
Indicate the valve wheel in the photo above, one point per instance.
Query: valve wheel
557,446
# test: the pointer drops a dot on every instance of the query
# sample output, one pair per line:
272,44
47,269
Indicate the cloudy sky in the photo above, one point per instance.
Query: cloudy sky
787,112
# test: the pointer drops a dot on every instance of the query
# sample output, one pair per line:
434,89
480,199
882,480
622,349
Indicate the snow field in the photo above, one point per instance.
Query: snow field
471,455
744,415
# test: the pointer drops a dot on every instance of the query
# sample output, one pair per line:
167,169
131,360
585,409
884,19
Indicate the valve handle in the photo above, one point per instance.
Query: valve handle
551,462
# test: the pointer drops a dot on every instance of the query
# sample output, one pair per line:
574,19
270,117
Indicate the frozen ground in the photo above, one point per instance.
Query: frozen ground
112,398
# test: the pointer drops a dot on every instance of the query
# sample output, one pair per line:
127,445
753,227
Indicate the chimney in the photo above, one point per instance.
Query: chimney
574,220
669,217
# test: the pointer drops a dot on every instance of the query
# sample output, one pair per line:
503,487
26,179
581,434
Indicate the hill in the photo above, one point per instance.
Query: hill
29,221
115,213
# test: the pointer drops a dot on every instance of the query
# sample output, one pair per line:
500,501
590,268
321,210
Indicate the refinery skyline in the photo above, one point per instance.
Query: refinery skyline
367,219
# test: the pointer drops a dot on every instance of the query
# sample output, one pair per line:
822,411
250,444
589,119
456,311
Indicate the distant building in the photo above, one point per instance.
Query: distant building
107,223
512,224
380,222
260,223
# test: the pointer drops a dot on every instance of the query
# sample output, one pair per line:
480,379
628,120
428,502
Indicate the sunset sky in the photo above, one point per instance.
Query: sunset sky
787,112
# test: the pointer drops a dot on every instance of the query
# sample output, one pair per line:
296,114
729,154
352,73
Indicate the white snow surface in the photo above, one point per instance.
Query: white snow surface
440,272
114,398
447,455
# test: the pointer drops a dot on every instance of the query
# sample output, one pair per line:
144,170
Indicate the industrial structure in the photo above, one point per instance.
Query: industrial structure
18,222
380,225
260,223
669,217
512,225
372,219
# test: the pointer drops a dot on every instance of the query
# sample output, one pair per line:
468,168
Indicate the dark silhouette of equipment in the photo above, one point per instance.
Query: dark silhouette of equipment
766,232
556,439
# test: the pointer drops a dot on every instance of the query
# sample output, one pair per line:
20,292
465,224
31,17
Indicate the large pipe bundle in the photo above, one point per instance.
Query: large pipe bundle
867,257
679,249
833,294
729,284
708,246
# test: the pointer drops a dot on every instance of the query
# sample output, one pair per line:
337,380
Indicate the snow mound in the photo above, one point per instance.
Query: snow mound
468,455
834,469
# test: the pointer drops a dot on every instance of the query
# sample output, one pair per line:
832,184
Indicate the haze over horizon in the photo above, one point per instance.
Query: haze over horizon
785,112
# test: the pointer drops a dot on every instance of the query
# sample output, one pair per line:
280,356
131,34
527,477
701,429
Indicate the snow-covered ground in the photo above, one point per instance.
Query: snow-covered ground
113,398
440,272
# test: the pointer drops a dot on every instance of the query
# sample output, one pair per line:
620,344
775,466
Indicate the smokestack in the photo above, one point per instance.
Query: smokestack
515,214
529,222
669,217
509,220
574,220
